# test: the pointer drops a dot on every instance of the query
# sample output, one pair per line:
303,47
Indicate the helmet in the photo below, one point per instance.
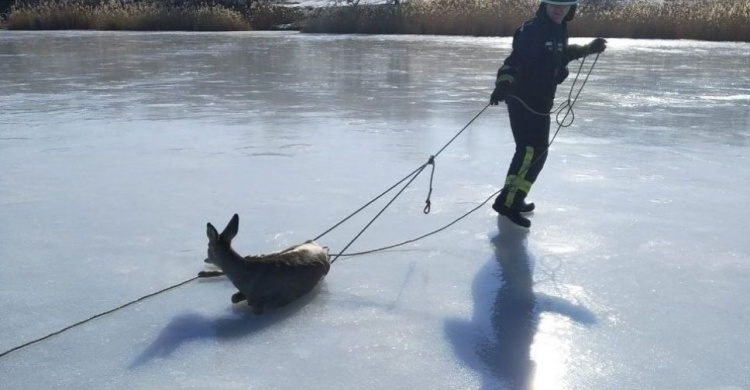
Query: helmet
572,3
561,2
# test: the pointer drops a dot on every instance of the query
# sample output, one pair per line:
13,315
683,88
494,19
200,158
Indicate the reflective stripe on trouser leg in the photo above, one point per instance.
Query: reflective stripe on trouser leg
514,183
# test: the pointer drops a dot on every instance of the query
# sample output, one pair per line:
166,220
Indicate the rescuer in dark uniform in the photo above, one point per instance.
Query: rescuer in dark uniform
537,64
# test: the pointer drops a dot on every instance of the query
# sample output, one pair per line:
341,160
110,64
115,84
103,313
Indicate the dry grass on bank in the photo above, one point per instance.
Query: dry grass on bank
266,16
718,20
115,15
715,20
440,17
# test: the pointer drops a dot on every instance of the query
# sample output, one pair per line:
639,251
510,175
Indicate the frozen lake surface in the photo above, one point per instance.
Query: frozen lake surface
117,148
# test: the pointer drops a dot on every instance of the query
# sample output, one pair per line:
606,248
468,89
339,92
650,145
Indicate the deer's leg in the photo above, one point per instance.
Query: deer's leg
209,274
238,297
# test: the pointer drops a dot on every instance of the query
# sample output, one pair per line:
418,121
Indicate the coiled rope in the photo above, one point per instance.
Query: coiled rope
566,107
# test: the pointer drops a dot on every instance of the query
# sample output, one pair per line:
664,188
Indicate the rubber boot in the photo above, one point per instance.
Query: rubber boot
514,212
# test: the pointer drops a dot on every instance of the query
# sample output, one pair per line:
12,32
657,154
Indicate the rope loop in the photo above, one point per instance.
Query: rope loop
428,202
567,108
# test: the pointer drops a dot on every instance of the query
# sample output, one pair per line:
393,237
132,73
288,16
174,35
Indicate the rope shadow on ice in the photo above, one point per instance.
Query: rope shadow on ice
496,341
239,323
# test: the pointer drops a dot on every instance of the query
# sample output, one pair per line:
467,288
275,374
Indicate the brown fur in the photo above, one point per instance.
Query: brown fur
267,281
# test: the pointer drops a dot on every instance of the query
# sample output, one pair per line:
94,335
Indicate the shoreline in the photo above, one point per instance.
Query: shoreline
478,18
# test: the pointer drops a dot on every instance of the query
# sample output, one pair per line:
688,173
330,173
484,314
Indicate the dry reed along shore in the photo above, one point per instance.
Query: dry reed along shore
714,20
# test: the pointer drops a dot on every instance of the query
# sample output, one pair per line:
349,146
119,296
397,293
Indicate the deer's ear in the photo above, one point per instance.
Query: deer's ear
213,235
231,230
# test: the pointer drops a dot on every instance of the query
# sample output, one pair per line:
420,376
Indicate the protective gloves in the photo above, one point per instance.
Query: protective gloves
596,46
502,88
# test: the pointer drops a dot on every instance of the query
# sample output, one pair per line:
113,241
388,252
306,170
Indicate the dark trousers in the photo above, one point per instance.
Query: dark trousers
531,134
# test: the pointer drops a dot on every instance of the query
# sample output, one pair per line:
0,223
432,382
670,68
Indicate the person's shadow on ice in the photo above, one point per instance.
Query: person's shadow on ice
496,341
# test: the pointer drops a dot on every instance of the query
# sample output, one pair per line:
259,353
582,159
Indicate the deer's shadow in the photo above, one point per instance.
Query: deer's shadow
239,322
496,341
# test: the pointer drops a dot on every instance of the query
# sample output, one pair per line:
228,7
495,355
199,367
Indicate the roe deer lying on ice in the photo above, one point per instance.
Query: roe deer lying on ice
266,281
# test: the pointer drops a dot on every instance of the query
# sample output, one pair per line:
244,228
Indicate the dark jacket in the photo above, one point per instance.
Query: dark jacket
539,60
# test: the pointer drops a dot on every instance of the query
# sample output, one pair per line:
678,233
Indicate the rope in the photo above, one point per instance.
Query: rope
567,104
413,177
422,236
416,171
368,203
428,202
410,177
96,316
